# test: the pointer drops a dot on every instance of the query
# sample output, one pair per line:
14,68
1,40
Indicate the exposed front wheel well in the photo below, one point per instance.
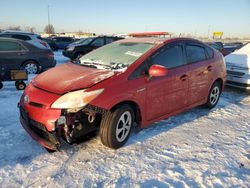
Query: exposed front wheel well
134,106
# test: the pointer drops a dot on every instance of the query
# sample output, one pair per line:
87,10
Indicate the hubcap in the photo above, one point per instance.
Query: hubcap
214,96
123,126
31,68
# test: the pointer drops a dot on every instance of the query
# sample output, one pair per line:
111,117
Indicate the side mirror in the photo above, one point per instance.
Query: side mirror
157,70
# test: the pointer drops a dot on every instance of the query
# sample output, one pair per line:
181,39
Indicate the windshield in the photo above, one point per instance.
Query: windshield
115,56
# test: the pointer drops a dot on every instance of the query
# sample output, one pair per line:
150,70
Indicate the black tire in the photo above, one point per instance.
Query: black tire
78,55
1,85
214,95
50,150
20,85
111,121
31,67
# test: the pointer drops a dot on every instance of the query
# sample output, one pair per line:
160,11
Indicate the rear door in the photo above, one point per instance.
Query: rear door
168,94
12,54
198,71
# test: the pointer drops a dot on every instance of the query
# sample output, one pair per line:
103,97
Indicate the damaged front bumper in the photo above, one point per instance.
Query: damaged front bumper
39,132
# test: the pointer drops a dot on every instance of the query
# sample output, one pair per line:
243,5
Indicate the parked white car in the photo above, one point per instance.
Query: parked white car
31,38
238,68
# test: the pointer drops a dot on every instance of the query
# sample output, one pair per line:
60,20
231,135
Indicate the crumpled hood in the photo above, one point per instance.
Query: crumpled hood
68,77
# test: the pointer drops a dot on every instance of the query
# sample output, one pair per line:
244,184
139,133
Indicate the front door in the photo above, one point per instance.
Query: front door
168,94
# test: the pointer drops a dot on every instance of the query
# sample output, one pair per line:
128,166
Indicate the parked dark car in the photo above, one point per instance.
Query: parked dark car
231,47
219,47
51,43
86,45
62,42
18,54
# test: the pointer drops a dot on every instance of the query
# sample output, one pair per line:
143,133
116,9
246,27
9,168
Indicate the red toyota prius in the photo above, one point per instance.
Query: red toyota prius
131,82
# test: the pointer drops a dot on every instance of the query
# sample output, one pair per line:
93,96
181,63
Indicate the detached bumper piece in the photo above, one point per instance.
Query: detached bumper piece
38,132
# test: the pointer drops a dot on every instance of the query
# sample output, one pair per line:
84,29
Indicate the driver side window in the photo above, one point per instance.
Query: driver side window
169,56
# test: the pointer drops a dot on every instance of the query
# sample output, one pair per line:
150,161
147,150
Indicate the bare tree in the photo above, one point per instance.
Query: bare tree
30,29
49,29
17,28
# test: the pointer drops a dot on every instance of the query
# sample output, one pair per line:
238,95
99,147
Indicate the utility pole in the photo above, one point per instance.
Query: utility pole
208,31
48,16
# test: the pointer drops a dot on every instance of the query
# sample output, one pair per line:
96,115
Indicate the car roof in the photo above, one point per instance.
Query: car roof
17,32
156,40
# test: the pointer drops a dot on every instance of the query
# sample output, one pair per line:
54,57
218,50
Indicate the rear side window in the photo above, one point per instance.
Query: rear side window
98,42
170,56
210,52
195,53
109,40
21,37
9,46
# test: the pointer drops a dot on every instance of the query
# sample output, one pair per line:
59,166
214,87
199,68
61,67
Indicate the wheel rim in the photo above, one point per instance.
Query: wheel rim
214,96
21,86
123,126
31,68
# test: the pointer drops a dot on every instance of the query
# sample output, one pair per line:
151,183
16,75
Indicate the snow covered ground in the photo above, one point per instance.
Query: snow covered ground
198,148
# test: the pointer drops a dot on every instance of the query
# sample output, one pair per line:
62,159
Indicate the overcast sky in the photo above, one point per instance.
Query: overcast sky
116,16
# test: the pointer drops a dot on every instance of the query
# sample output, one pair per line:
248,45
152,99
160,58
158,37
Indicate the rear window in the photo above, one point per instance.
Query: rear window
21,37
195,53
10,46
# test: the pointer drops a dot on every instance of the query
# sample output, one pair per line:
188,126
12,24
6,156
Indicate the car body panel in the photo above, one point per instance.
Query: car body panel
156,97
74,77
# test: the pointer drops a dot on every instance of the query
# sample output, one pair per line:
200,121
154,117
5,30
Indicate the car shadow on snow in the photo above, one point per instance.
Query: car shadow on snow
18,148
229,96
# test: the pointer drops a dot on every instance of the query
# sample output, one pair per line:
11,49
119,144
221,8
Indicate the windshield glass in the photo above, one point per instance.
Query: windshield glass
115,56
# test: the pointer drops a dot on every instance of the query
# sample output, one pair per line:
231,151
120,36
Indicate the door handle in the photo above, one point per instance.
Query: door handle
209,68
183,77
21,53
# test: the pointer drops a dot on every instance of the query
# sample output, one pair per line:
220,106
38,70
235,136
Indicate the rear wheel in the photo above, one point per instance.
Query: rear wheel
214,95
31,67
116,126
1,85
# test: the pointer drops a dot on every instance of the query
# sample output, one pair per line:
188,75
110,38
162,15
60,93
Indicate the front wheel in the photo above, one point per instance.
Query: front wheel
214,95
1,85
116,127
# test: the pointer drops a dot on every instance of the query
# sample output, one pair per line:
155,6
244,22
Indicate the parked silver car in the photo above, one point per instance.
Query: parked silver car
31,38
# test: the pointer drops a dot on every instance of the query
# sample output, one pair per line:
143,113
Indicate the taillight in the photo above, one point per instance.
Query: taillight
50,55
44,43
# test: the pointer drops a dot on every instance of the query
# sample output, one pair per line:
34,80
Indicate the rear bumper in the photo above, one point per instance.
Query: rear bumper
241,82
38,132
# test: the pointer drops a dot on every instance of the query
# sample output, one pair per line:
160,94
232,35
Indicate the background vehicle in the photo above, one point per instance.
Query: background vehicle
31,38
218,47
231,47
62,42
84,46
238,68
17,54
131,82
51,43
